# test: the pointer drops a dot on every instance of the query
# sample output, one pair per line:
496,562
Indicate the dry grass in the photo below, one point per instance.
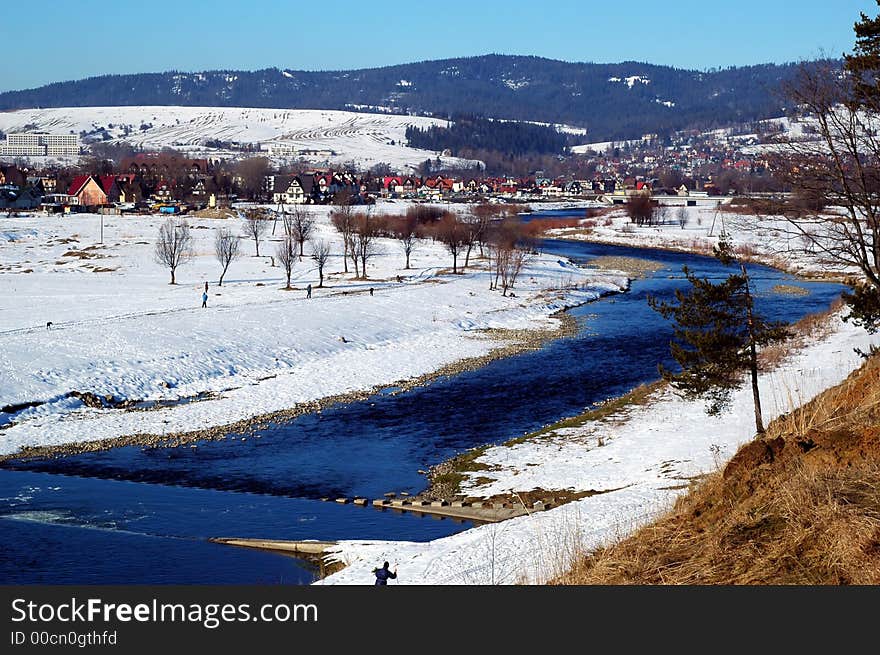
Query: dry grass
801,506
812,528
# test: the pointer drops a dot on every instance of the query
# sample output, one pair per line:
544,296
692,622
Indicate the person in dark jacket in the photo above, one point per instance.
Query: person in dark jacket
383,574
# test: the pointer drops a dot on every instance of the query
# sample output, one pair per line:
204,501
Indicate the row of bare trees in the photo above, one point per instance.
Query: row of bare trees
462,236
459,234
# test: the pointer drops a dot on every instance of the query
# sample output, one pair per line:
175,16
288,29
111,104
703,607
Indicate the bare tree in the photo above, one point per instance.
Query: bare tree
301,226
502,238
661,214
511,263
682,217
174,245
226,249
452,234
254,226
343,220
484,214
286,253
321,254
406,230
841,167
365,234
640,208
474,227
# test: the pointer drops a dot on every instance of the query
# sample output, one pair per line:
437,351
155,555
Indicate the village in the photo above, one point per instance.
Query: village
685,169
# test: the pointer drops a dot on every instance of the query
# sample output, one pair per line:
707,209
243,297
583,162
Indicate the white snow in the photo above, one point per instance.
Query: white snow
631,80
362,138
127,333
516,84
602,146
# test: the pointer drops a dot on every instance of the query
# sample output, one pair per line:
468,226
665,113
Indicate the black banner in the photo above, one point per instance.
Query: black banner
239,619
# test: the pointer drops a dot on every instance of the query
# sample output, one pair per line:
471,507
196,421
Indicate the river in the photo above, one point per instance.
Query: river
135,515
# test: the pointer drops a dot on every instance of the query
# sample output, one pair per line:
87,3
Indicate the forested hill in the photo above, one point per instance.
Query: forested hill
612,100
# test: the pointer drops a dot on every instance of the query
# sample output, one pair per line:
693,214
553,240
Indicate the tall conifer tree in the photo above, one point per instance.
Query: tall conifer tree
716,338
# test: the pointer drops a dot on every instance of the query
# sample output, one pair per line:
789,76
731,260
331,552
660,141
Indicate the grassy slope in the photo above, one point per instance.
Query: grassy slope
800,506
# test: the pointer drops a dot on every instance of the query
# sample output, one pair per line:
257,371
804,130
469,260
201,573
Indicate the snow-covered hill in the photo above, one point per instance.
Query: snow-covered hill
362,138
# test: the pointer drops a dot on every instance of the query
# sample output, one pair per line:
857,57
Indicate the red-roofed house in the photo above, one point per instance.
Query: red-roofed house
111,187
86,192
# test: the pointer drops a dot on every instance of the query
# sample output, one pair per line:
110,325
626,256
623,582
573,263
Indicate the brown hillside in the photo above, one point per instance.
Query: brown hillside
800,506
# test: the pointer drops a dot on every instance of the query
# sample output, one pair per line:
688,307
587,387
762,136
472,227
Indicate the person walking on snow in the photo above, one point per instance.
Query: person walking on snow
309,291
383,574
205,298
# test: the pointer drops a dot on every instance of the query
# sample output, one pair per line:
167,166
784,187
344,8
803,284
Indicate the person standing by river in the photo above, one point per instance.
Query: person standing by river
383,574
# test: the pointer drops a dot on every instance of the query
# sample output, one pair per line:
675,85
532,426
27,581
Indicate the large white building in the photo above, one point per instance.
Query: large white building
40,145
282,149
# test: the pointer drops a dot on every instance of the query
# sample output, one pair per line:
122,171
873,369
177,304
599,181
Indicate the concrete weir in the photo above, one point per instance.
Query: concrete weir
478,512
312,551
313,548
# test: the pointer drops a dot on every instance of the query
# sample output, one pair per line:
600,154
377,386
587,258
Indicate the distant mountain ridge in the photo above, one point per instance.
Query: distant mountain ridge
613,101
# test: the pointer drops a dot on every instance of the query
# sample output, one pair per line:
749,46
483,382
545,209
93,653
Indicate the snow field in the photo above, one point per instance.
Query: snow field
125,332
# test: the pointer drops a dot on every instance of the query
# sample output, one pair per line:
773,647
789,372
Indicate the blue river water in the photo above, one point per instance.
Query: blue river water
135,515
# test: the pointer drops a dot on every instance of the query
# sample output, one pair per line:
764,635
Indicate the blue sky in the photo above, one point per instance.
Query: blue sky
71,39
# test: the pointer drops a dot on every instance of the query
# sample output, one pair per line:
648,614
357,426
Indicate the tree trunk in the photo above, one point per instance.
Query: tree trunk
753,356
759,422
320,278
407,262
454,262
257,244
467,256
172,277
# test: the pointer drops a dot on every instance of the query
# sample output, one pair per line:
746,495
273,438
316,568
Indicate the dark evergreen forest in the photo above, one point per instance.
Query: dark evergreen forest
613,101
478,133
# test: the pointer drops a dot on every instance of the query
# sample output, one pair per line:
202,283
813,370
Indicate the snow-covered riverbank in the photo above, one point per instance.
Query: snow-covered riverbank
650,453
119,330
770,240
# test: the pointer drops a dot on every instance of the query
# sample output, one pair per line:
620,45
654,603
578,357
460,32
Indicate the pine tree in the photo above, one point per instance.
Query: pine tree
864,62
716,338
